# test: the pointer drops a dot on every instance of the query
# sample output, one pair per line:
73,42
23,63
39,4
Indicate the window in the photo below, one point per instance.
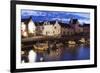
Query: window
55,27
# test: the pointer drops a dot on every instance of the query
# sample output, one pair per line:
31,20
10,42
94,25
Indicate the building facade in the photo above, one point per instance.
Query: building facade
51,29
54,28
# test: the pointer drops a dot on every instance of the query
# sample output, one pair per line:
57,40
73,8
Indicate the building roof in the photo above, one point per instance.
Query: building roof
86,25
26,21
65,25
73,21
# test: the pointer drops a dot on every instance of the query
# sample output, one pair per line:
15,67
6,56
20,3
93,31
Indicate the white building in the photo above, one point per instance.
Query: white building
51,29
47,29
31,27
57,28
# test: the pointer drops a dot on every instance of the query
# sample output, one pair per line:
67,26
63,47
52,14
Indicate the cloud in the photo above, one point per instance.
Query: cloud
32,13
85,15
61,19
84,21
55,15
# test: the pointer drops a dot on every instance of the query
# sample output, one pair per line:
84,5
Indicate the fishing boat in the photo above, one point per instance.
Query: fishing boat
41,46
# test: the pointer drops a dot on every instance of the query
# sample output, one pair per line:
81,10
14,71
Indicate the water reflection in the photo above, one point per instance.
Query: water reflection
63,53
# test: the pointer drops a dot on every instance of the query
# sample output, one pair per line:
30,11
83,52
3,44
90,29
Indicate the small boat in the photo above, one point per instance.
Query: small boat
71,42
40,47
82,40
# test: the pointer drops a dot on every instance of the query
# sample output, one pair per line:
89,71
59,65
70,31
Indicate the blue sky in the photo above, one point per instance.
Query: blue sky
63,16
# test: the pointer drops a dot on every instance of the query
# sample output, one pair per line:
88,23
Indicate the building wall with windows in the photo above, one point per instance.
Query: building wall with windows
51,29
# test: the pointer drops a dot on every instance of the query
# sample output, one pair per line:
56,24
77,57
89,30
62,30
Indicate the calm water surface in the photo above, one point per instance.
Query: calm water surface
69,52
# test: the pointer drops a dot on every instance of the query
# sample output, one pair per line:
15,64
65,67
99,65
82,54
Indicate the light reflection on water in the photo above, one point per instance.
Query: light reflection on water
64,53
69,52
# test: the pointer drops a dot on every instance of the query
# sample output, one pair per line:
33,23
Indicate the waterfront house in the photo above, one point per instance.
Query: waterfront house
74,23
57,29
23,30
28,27
51,29
86,28
66,29
31,27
